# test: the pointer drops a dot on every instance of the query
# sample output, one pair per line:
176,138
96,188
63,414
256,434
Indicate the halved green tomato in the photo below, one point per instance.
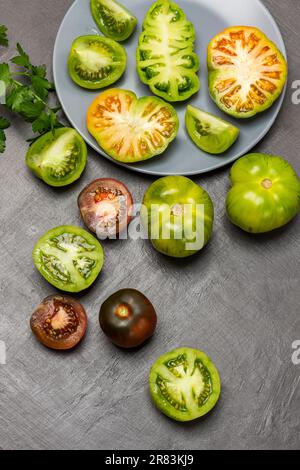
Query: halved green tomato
265,193
69,258
58,157
96,62
184,384
130,129
247,72
210,133
166,60
114,20
178,216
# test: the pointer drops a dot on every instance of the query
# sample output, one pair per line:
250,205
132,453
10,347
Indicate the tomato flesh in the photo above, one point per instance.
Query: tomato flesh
58,157
130,129
265,193
178,216
59,322
247,72
113,19
210,133
166,60
184,384
69,258
96,62
128,318
105,206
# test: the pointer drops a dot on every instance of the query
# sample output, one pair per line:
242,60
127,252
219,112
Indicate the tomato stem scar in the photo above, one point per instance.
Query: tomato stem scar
267,183
123,311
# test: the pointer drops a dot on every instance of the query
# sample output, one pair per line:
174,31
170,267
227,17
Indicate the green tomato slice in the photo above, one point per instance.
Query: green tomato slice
265,193
184,384
178,216
131,129
96,62
246,71
210,133
69,258
58,157
113,19
166,60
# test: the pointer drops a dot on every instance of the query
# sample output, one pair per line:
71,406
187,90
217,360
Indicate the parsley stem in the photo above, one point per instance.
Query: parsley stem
36,96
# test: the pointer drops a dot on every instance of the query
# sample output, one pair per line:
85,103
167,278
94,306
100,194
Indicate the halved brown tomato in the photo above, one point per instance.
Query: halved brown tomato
130,129
105,206
59,322
247,72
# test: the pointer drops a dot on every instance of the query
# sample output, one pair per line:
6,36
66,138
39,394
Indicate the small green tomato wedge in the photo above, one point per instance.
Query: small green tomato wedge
265,193
210,133
96,62
58,158
185,384
69,258
113,19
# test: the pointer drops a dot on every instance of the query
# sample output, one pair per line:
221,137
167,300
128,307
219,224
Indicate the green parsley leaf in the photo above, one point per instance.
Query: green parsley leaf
41,86
46,122
5,74
3,36
23,101
4,124
22,59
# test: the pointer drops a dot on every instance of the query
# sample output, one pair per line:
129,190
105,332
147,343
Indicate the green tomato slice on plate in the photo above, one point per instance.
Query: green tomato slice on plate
246,71
265,193
166,60
58,157
113,19
69,258
184,384
210,133
96,62
130,129
178,216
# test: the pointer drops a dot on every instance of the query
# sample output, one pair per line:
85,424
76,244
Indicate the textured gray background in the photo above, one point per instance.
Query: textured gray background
238,301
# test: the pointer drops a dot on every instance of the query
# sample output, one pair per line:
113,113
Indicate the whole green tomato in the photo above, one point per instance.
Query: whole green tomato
178,215
265,193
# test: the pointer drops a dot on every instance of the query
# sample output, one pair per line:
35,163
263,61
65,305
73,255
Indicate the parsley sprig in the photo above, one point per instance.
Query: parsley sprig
26,93
3,36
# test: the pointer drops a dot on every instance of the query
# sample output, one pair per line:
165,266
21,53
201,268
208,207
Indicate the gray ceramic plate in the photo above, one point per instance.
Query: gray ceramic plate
209,18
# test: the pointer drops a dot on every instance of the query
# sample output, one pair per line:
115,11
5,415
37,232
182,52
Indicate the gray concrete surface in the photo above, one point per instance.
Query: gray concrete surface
238,301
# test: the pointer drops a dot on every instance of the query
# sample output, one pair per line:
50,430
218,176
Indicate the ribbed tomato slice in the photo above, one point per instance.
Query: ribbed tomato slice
131,129
247,72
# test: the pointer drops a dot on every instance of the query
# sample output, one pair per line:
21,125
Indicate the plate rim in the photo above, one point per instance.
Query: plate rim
202,171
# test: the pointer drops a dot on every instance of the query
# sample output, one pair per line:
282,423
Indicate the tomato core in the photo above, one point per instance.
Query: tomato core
177,210
267,183
62,323
123,311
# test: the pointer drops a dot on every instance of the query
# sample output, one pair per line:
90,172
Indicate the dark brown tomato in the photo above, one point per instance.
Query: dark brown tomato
105,206
128,318
59,322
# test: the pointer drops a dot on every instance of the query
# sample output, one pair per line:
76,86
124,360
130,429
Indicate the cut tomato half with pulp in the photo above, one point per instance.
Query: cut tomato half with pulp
130,129
184,384
247,72
105,206
166,58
